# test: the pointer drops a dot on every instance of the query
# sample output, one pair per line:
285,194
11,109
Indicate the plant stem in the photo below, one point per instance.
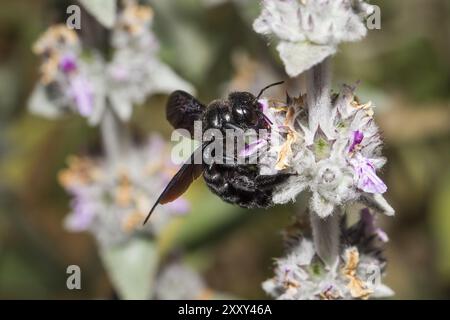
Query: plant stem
326,236
318,81
326,231
318,88
115,137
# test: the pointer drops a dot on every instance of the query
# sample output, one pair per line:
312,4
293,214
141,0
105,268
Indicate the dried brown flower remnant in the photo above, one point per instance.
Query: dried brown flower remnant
50,46
56,36
81,171
286,151
135,18
358,289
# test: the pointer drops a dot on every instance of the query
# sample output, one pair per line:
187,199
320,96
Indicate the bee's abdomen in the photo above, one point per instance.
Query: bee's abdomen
237,185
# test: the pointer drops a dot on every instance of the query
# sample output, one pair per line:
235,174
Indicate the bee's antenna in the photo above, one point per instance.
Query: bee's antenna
269,86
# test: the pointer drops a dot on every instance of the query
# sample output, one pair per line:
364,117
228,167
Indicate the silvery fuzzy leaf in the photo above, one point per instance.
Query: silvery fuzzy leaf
318,21
40,104
378,203
310,31
301,56
132,267
104,11
332,22
165,80
280,18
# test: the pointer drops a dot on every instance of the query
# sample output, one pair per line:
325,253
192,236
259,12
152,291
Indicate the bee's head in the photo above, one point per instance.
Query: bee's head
244,108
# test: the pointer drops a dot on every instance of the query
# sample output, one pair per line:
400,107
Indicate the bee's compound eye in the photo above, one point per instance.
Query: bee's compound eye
213,119
243,108
246,114
225,115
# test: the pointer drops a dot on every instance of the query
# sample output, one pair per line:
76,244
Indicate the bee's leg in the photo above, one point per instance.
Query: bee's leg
245,193
248,195
266,182
243,183
214,177
217,179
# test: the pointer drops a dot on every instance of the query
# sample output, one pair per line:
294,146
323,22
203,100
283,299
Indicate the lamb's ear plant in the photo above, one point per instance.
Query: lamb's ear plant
332,146
111,193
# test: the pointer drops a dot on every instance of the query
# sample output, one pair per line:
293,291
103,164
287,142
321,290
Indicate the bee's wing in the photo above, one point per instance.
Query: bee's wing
182,110
182,180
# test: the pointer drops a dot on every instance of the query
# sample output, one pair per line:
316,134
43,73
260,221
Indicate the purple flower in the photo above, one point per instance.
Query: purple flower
358,136
83,214
367,180
81,91
68,63
368,221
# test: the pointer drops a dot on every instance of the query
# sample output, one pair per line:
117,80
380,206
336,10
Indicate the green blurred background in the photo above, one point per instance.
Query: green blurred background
404,68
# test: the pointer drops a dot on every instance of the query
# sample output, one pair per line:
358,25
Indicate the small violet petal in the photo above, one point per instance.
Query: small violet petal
358,136
68,64
368,220
82,215
82,93
367,180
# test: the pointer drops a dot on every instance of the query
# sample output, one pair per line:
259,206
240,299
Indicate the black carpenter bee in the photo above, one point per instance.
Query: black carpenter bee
239,184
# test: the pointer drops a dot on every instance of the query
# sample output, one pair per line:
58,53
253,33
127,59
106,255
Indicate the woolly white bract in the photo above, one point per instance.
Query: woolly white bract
333,153
357,274
83,82
111,201
310,30
297,277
